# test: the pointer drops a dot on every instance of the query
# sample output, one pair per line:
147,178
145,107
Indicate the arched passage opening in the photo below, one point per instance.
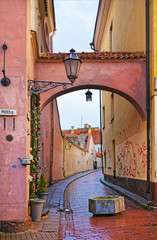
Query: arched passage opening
125,79
122,154
122,74
103,88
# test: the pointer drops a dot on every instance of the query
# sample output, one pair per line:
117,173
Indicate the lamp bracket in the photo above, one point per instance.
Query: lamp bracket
38,86
5,81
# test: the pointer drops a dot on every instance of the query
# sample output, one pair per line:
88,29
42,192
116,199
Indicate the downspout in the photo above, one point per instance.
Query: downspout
52,139
101,132
63,156
148,96
51,35
92,46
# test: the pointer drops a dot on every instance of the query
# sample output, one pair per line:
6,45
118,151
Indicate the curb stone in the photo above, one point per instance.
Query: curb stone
131,196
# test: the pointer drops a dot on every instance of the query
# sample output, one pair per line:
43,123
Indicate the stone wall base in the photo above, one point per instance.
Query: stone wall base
136,186
14,226
154,191
133,185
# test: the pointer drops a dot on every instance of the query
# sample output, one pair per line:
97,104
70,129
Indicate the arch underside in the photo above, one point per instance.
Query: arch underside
128,79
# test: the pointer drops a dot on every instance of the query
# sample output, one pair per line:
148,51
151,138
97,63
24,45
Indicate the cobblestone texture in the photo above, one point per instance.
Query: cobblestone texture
134,223
77,223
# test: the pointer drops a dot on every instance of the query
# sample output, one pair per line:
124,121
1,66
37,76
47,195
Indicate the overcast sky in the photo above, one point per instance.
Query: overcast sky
75,22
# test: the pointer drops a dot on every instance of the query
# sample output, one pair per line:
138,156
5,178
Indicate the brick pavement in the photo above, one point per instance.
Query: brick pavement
78,223
49,226
134,223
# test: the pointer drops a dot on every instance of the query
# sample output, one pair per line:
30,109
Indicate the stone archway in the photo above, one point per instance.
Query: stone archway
121,73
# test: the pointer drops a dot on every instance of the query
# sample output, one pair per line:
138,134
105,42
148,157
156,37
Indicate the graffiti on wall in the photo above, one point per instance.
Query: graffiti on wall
120,164
142,152
109,157
131,159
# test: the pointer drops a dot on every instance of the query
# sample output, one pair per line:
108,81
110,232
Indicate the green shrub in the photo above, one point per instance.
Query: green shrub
42,183
107,197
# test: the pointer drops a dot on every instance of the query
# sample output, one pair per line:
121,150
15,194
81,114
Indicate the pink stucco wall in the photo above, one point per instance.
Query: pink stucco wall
46,142
126,78
13,203
57,146
51,153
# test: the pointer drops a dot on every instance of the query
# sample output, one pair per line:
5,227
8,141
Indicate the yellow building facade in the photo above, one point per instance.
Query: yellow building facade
121,27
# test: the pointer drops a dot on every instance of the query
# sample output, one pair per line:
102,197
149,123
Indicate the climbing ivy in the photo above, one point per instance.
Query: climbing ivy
35,129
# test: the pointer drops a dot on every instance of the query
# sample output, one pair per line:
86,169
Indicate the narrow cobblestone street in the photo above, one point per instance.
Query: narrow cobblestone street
76,222
133,223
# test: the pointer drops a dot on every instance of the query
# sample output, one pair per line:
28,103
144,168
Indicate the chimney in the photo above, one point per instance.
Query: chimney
89,129
72,129
86,126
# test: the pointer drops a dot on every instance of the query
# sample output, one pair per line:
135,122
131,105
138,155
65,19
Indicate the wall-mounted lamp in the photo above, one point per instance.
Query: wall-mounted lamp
88,96
72,67
70,144
5,81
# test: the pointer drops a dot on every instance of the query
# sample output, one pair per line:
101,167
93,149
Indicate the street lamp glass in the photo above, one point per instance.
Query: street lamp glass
72,65
88,96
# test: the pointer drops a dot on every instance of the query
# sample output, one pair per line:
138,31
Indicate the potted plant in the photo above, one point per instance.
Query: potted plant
42,184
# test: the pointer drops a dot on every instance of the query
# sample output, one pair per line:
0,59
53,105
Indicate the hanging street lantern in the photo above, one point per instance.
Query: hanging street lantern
72,65
88,96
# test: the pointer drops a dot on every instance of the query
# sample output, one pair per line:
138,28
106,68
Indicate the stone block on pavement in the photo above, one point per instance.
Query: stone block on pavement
106,205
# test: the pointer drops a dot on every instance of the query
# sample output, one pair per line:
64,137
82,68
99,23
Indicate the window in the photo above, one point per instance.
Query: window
114,159
103,117
112,108
105,158
111,37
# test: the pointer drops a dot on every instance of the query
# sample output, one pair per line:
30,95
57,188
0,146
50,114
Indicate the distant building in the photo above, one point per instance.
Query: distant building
80,137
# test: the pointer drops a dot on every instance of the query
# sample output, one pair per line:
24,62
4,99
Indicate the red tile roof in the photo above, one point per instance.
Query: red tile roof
95,134
98,154
96,56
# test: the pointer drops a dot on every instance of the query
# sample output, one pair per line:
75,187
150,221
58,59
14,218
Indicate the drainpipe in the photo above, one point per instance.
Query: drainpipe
92,46
51,35
63,156
148,96
101,132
